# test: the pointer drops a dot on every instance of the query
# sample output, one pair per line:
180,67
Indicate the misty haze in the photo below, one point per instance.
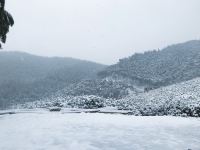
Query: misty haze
100,75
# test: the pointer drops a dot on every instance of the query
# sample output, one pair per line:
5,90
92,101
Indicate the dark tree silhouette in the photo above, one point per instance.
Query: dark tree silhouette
6,20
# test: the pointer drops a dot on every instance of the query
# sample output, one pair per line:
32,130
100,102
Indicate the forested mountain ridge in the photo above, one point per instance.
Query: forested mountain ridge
26,77
27,67
142,72
173,64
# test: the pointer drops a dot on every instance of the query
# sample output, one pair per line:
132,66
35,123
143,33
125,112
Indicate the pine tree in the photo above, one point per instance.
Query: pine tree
6,20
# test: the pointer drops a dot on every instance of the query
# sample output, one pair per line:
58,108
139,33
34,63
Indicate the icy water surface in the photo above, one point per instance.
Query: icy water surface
56,131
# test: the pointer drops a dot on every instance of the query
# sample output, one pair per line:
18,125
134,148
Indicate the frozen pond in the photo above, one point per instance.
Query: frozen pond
56,131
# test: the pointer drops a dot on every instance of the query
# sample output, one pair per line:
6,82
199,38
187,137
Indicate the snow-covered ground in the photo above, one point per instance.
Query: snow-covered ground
57,131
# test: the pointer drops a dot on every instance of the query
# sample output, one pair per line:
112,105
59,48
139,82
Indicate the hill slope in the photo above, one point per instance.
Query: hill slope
178,99
171,65
143,72
25,77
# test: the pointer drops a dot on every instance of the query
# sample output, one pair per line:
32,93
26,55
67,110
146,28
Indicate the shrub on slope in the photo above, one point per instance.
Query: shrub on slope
107,88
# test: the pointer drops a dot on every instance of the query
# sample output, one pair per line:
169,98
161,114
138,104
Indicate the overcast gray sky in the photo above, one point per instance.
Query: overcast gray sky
100,30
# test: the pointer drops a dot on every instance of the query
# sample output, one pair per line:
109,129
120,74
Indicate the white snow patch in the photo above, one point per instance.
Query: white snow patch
57,131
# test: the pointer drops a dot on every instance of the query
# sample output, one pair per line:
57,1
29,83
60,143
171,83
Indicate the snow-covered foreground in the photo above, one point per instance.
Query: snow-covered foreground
57,131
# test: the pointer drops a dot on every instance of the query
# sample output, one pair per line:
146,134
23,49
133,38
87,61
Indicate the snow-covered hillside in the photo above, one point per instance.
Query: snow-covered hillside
177,99
181,99
56,131
173,64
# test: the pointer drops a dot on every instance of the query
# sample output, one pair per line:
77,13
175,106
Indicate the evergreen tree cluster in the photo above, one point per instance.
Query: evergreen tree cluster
6,20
